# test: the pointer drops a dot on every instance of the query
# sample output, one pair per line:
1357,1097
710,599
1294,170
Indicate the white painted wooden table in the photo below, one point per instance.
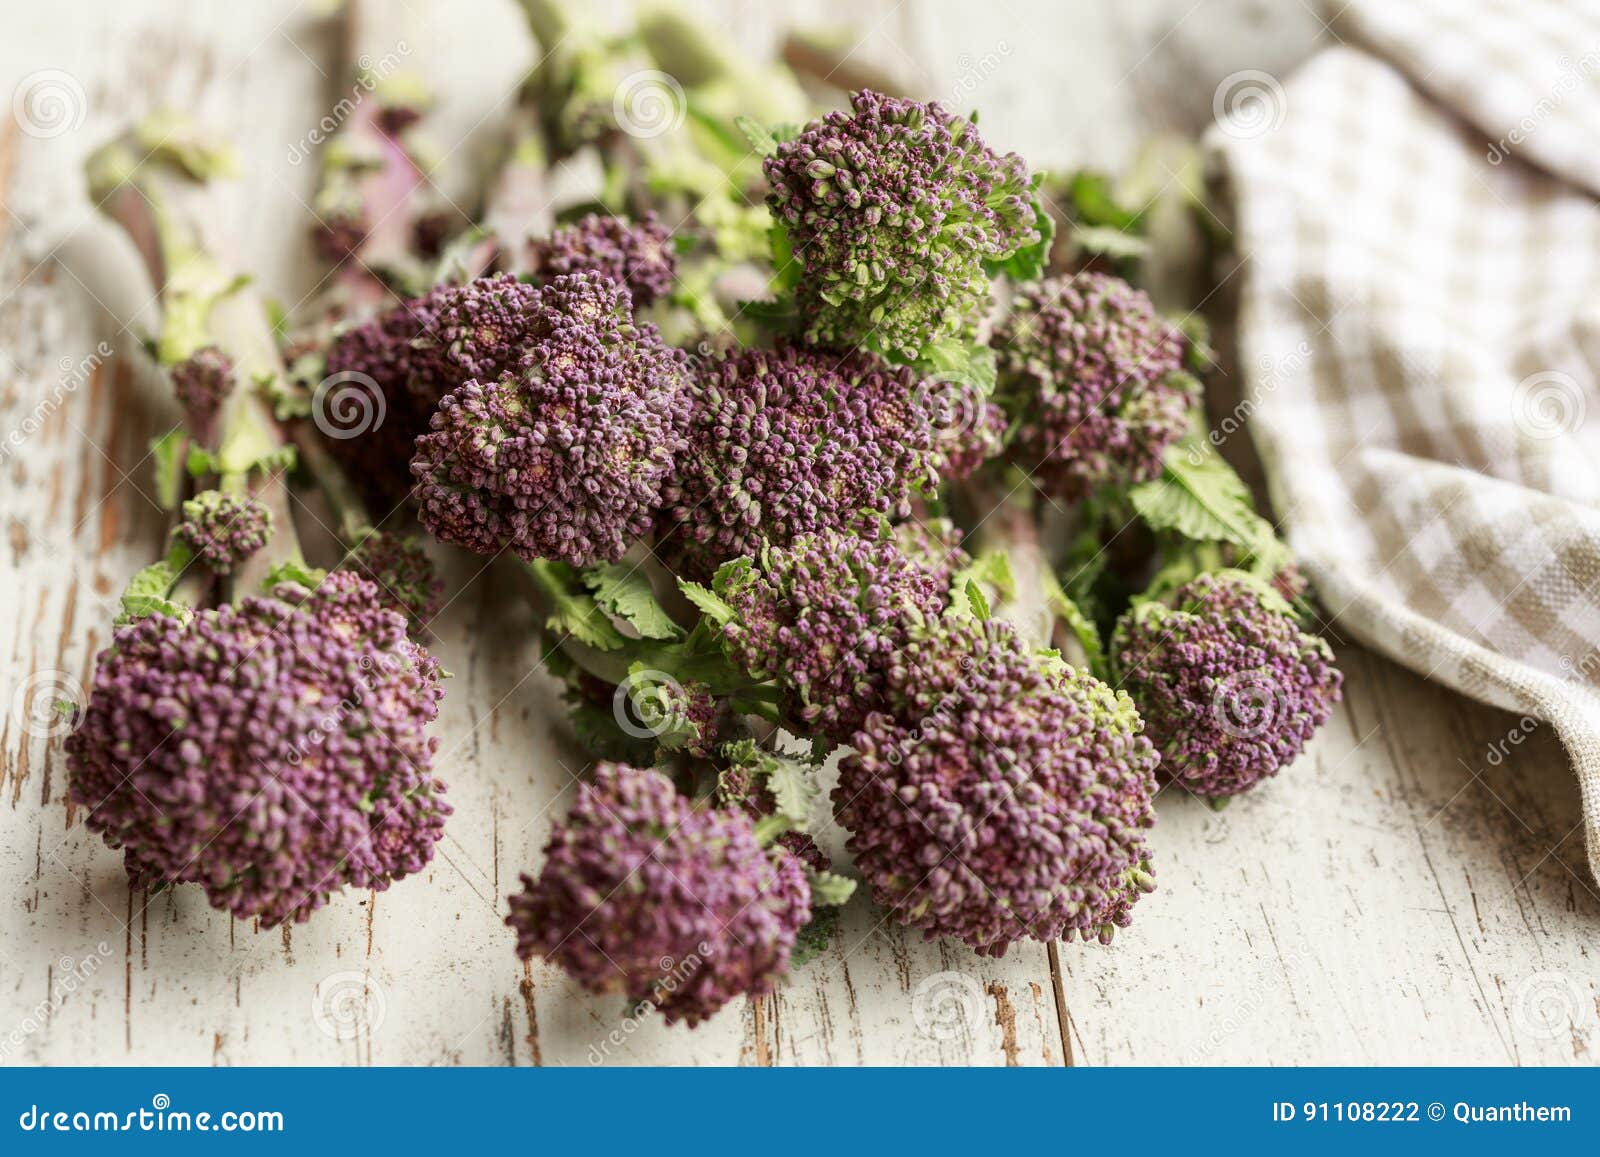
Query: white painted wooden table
1411,891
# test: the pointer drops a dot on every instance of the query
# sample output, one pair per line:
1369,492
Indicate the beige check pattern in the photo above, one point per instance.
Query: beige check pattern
1420,337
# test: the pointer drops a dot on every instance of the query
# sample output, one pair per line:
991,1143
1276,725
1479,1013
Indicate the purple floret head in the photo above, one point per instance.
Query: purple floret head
410,357
223,529
1090,374
794,441
564,456
636,254
643,894
893,208
202,382
272,752
404,574
1230,688
825,617
1002,796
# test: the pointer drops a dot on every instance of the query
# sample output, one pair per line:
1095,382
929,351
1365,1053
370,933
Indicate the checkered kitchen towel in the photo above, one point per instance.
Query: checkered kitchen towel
1420,331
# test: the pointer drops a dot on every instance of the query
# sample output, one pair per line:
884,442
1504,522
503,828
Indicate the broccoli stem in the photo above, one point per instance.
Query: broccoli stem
154,183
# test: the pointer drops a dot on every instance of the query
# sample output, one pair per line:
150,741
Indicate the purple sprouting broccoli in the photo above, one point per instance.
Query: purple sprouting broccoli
1003,795
893,209
564,456
1230,688
792,441
272,752
825,617
399,567
935,546
636,254
415,354
223,529
202,382
1091,376
643,894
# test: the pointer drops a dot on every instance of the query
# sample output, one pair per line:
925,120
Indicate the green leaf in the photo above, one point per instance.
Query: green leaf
794,789
1095,203
148,592
829,889
977,601
787,269
1109,242
707,601
571,610
294,571
1081,625
1199,497
961,362
166,450
761,139
990,569
624,593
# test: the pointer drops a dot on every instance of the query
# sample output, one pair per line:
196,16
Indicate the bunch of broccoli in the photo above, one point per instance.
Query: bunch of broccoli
851,469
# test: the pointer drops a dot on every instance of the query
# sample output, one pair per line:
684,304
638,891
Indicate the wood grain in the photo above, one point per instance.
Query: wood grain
1411,890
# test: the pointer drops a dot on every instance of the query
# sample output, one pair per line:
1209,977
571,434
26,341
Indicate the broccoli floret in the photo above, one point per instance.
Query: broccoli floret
564,456
1230,688
794,441
636,254
1001,795
1089,374
644,894
223,529
273,752
826,617
892,210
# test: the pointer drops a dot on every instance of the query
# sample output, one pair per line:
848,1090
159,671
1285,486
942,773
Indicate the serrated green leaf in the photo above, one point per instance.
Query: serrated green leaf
977,601
166,452
1200,498
624,593
294,571
990,569
761,139
570,609
961,362
707,602
829,889
794,789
